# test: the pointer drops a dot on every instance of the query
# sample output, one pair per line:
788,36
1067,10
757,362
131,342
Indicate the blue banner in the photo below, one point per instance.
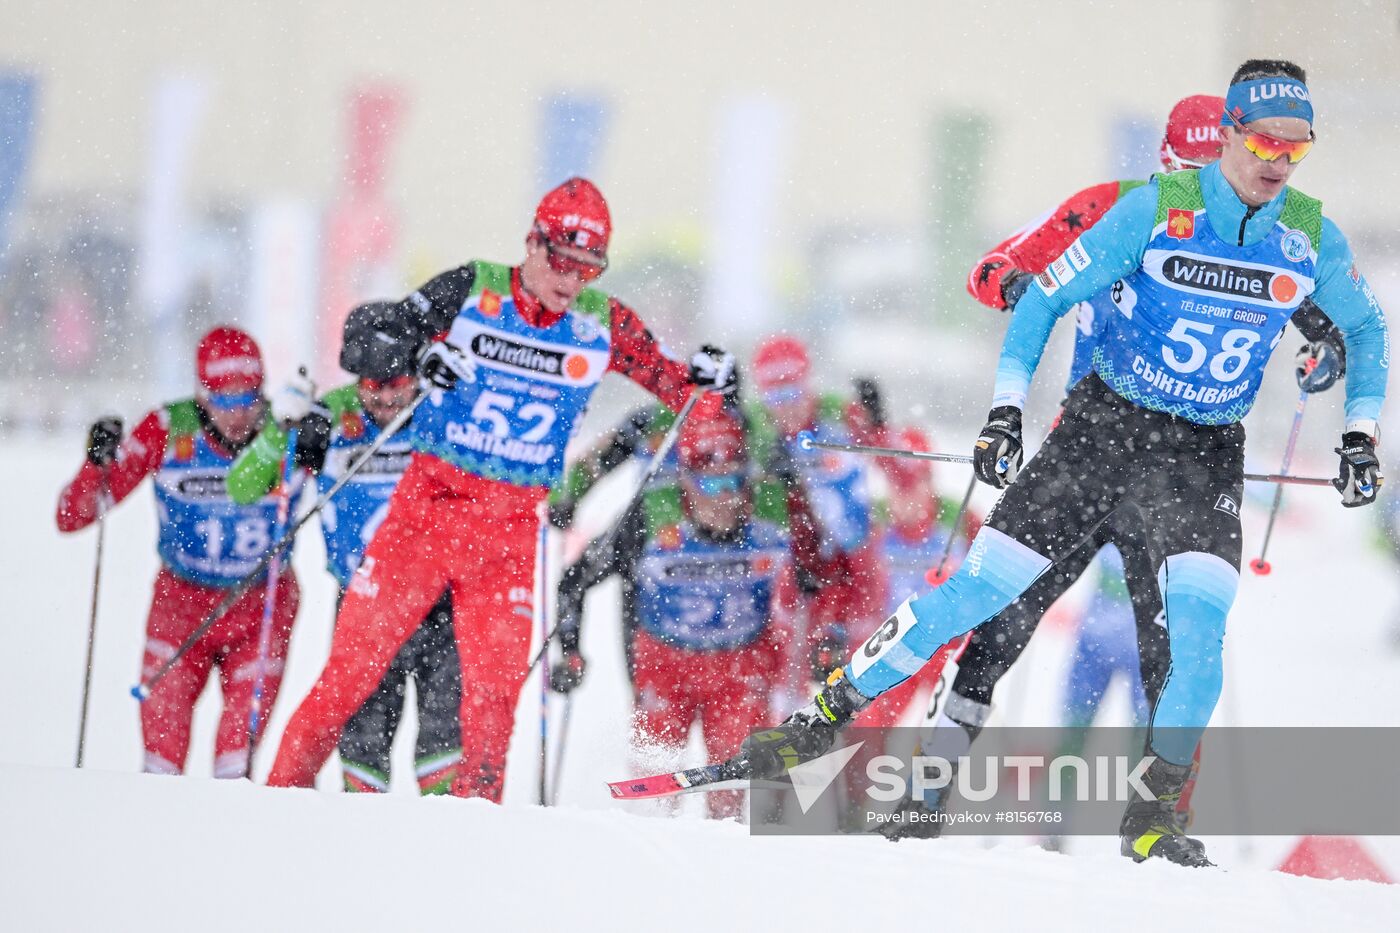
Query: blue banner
574,127
19,92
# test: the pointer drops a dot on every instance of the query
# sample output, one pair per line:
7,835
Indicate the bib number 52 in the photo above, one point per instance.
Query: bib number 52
493,408
1226,365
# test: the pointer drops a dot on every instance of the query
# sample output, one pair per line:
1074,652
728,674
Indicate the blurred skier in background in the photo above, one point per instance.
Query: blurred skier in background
207,544
846,592
514,354
713,569
332,433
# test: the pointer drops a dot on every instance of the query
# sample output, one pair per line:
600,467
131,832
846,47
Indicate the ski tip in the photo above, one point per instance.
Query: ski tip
1261,567
806,439
140,693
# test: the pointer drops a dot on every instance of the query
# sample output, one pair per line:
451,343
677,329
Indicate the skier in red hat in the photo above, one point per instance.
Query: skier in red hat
513,354
207,544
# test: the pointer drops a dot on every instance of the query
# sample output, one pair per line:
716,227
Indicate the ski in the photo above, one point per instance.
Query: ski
722,776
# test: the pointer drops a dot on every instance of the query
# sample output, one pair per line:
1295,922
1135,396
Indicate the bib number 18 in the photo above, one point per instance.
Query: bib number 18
1226,365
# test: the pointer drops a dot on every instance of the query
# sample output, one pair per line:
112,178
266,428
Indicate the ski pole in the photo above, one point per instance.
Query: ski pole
940,573
235,593
562,741
1259,565
274,576
541,618
92,617
806,442
604,541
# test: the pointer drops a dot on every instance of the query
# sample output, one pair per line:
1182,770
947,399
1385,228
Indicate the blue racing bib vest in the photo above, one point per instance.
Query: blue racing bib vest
1193,328
709,596
205,537
349,521
838,490
531,390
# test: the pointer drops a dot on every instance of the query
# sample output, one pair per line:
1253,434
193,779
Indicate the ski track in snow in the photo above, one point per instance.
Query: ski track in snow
111,849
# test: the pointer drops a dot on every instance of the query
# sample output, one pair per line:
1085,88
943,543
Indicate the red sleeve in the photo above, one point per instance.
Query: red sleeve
138,456
1039,242
637,355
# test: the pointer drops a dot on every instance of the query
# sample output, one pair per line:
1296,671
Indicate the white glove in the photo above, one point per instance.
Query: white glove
713,369
443,365
292,402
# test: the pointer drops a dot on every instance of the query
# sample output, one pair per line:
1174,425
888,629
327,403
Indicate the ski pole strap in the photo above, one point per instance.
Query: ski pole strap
235,592
806,442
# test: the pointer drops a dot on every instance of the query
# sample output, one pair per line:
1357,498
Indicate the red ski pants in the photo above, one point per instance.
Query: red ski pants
177,609
726,690
444,528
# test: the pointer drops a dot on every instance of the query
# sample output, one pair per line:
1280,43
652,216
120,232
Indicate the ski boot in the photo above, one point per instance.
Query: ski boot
807,734
1150,829
916,819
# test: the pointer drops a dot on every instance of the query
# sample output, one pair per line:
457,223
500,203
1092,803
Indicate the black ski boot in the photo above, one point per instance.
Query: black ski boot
916,819
807,734
1149,828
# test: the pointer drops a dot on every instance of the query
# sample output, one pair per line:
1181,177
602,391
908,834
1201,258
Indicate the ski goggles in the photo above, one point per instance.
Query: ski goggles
568,261
393,384
233,401
1271,148
783,395
711,484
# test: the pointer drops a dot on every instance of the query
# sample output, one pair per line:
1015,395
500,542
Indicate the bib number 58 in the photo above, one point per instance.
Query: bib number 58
1226,365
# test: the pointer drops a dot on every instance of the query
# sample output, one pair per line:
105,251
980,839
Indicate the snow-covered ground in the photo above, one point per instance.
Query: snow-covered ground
110,849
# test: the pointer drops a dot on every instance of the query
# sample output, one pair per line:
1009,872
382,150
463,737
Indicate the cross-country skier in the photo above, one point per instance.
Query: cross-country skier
713,571
1206,268
1192,139
207,544
514,354
330,437
848,591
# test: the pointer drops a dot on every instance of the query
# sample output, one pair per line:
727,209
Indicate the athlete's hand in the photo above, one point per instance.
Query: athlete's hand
1359,476
713,369
1013,286
561,513
567,672
443,365
1320,364
997,455
292,402
872,401
102,440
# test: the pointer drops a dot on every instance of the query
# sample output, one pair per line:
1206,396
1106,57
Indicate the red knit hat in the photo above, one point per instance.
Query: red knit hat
228,360
716,440
1192,138
906,472
780,361
575,214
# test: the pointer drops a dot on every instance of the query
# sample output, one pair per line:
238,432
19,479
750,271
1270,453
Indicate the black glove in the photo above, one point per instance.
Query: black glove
1359,475
103,438
827,655
561,513
1013,286
713,369
997,455
443,365
868,394
1321,363
567,672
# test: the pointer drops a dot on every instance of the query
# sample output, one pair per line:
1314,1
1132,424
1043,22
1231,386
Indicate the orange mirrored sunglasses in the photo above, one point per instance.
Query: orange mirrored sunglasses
1271,148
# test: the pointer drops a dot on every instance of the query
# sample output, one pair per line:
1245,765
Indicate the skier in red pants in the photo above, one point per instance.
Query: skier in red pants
207,544
513,353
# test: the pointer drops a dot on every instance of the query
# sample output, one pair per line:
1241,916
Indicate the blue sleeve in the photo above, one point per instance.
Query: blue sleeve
1342,293
1102,255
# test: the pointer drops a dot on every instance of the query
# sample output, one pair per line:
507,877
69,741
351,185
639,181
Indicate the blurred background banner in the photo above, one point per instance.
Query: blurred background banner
18,103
